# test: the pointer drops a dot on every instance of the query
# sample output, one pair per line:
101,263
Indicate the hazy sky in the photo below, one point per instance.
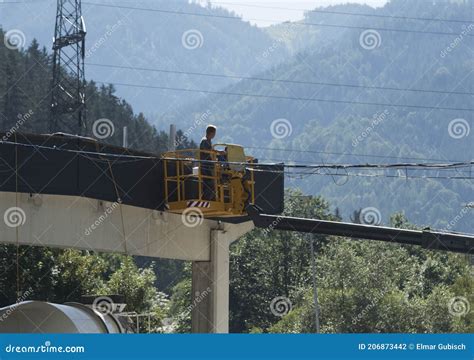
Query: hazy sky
262,9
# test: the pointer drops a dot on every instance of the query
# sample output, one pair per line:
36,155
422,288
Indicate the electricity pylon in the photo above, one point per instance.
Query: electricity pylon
68,86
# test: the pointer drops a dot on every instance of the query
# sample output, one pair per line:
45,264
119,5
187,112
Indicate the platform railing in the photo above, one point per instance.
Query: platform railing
185,163
204,176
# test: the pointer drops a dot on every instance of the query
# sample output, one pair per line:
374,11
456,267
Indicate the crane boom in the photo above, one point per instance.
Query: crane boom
426,238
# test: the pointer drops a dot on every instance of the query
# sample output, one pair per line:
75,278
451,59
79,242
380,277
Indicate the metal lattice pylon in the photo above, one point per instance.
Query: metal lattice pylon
68,86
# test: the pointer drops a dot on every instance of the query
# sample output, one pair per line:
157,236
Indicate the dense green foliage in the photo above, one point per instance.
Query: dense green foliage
363,286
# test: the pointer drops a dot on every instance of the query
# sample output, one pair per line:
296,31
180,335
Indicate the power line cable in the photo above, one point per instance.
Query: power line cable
20,2
458,170
418,166
345,13
344,154
285,97
409,177
175,12
241,77
315,168
270,7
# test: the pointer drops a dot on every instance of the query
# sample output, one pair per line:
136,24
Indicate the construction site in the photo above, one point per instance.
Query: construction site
118,221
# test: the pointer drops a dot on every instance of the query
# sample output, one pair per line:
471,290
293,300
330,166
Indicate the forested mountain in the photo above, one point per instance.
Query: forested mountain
402,126
167,40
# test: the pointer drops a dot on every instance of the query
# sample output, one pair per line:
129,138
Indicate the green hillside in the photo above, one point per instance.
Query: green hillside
323,130
148,39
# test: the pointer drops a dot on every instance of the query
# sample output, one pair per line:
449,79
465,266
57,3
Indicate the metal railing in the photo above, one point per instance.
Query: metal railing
189,164
200,175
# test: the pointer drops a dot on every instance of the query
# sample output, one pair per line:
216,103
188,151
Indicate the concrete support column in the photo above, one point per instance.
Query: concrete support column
201,321
210,288
220,281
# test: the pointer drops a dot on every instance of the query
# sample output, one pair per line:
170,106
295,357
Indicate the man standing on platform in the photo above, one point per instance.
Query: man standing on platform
207,169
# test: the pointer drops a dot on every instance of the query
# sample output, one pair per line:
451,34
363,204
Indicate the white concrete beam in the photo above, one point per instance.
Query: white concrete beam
88,224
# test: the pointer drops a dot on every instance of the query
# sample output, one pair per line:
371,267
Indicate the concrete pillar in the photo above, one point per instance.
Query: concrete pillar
220,281
210,288
201,321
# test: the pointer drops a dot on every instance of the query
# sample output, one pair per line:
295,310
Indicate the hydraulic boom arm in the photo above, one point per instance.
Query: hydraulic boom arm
426,238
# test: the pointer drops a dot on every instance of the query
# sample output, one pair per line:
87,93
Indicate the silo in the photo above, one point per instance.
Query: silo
44,317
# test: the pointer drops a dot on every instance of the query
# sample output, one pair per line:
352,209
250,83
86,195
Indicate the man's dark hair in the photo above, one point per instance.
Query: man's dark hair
210,129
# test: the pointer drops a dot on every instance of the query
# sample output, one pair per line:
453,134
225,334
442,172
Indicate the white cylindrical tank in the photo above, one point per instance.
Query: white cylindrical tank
44,317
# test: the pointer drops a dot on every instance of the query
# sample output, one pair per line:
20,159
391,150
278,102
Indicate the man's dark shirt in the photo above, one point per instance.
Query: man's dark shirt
205,145
207,169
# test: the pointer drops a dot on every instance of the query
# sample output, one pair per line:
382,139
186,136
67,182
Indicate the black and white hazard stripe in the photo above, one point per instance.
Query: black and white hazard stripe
201,204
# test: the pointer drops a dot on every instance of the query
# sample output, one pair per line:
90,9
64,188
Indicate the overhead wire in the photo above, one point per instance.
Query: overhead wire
330,12
298,169
175,12
255,78
295,166
336,12
347,174
458,170
285,97
343,153
283,80
320,11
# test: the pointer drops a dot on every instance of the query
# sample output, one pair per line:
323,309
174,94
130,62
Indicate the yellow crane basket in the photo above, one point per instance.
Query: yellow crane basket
217,182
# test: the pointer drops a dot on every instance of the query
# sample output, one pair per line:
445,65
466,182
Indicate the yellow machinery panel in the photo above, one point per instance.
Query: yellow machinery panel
217,182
